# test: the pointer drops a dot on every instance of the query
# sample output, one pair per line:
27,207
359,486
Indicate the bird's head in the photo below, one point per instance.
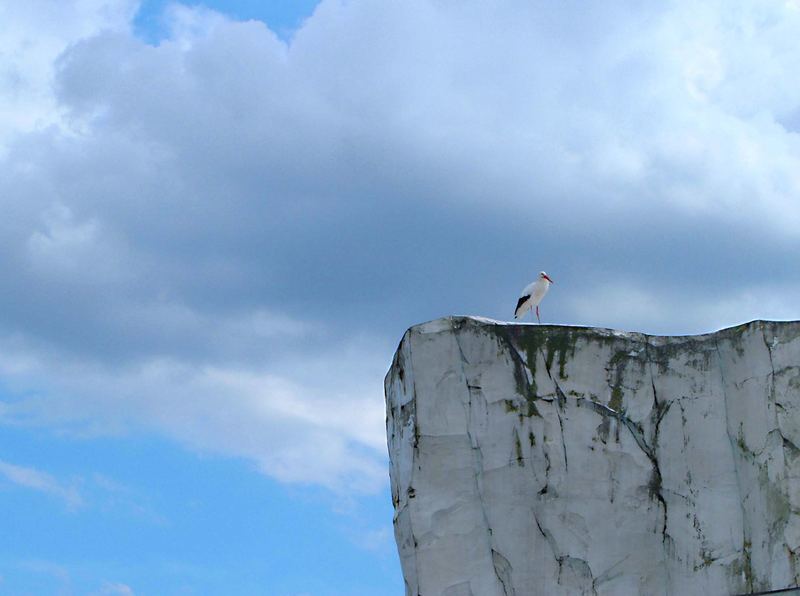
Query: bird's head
544,275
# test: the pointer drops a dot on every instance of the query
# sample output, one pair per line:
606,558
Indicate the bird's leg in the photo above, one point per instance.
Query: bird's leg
537,314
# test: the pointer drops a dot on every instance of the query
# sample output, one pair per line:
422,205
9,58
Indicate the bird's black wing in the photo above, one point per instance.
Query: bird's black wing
522,300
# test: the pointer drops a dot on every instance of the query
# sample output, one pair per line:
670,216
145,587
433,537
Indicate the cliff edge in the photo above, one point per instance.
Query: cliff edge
546,460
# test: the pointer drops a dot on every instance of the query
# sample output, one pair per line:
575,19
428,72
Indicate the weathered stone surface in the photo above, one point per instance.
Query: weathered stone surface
566,460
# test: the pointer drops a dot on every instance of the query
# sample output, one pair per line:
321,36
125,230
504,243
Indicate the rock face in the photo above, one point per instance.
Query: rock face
531,460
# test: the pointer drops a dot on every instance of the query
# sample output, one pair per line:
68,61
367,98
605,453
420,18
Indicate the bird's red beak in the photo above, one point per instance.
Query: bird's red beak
547,277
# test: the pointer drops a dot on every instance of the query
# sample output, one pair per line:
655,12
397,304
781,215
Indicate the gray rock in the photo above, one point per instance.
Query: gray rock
569,460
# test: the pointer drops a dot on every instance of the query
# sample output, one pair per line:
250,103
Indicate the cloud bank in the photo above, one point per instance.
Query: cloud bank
222,236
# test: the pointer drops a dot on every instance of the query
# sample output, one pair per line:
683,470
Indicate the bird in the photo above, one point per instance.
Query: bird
532,295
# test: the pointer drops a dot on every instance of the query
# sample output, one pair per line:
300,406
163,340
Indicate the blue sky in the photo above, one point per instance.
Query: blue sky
171,522
282,16
166,521
219,218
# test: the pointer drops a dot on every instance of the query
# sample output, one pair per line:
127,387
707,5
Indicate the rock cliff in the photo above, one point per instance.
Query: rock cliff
555,460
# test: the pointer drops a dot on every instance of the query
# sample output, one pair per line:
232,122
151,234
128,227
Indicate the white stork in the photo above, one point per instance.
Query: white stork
532,295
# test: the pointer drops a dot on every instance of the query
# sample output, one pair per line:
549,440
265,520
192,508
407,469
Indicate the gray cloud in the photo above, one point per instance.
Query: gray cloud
198,224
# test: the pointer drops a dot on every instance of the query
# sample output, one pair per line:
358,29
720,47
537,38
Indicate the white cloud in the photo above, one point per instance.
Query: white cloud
37,480
47,569
110,495
111,588
323,426
375,540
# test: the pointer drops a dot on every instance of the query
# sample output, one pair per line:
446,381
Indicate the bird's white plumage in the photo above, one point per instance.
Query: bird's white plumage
532,294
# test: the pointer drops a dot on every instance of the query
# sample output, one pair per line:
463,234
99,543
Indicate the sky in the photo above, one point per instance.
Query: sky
220,217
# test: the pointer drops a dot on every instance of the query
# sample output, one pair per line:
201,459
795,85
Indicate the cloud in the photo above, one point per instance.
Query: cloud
109,589
37,480
32,36
375,540
57,571
624,304
321,429
96,492
110,495
221,237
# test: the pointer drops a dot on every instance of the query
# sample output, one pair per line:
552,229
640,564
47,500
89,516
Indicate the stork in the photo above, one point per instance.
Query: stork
532,295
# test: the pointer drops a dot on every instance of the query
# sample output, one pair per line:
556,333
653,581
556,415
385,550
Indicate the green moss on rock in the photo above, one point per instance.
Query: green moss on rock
616,398
554,345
